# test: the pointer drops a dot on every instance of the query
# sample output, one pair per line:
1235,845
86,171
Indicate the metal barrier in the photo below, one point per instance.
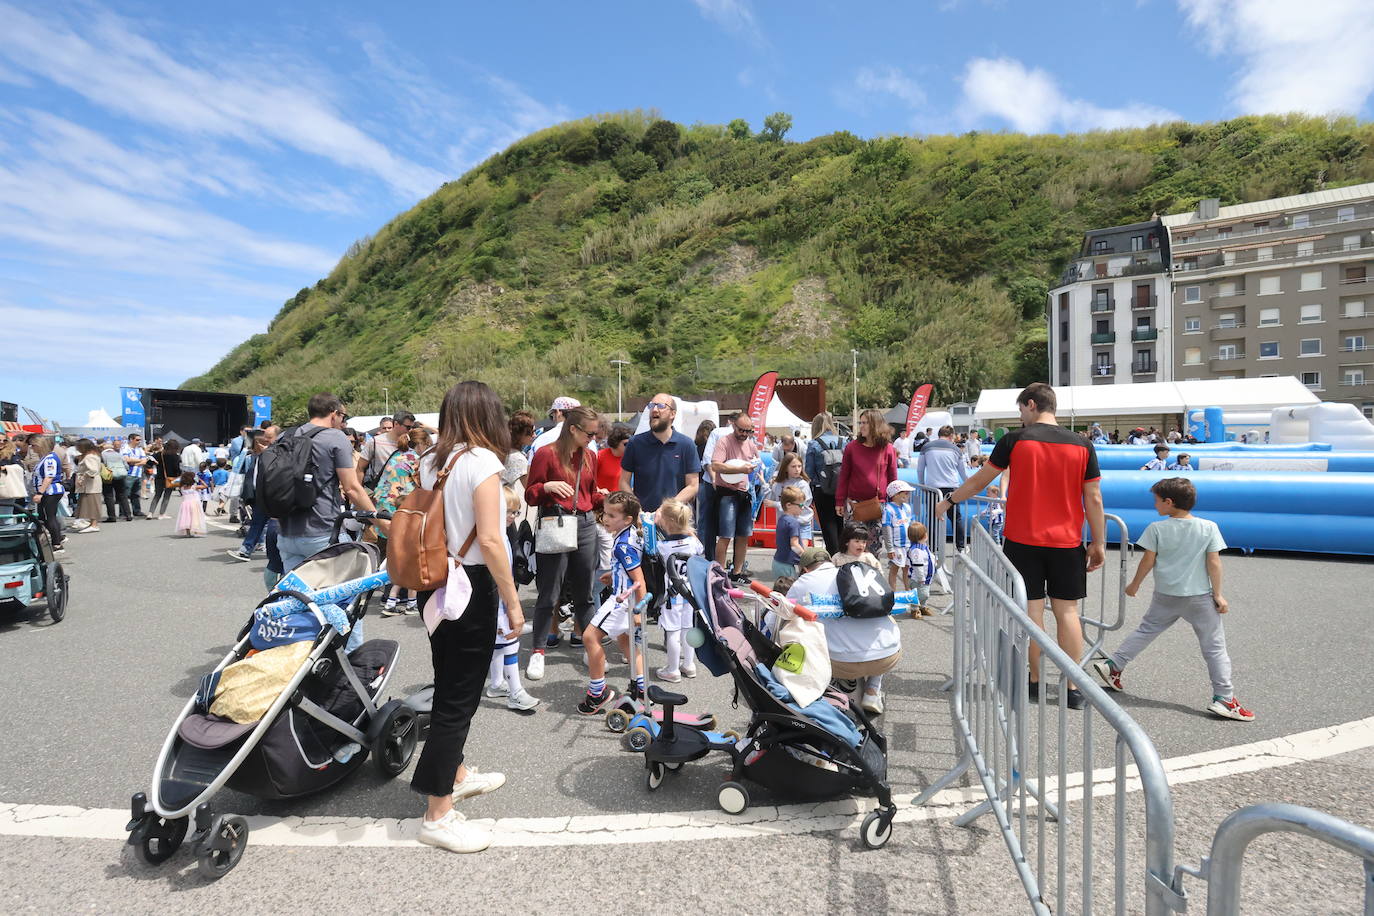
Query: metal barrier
1021,754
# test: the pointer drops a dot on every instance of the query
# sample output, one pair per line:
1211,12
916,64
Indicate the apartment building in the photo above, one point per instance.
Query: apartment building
1274,287
1109,317
1278,287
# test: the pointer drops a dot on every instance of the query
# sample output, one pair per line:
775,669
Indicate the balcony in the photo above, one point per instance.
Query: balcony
1104,305
1356,281
1234,301
1222,363
1357,348
1085,269
1356,382
1103,369
1226,331
1139,334
1143,368
1138,302
1247,258
1107,337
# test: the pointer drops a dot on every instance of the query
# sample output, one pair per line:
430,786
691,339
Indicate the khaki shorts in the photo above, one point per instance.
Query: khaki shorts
852,671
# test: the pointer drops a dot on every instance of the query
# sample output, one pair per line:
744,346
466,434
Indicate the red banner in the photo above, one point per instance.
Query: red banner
759,401
919,400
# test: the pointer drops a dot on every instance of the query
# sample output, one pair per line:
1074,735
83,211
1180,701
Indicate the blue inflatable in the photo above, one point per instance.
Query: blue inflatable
1196,447
1135,456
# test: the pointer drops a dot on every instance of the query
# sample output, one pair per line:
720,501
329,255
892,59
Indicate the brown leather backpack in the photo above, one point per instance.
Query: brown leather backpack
417,545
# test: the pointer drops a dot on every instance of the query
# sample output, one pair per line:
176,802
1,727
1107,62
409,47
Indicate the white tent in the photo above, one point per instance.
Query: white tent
1151,400
370,424
688,418
101,419
781,420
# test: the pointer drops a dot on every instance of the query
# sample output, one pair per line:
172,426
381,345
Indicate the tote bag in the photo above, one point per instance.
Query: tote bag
558,533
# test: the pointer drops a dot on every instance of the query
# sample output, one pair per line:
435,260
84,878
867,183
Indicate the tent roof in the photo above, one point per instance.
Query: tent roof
101,419
1154,398
780,417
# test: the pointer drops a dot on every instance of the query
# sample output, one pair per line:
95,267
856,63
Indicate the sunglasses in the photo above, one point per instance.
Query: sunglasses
657,405
583,431
743,433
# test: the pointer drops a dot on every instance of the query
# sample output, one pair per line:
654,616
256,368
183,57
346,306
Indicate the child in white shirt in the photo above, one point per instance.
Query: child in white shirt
503,674
673,522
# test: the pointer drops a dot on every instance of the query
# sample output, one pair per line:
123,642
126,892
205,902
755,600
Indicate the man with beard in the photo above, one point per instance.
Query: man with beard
662,462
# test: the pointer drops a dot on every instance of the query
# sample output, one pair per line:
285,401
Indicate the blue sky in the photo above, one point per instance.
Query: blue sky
171,172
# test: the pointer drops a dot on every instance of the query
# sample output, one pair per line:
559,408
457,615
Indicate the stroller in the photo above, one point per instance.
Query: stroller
29,571
320,727
782,750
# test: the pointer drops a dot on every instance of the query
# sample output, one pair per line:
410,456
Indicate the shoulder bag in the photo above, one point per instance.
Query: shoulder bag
558,532
417,544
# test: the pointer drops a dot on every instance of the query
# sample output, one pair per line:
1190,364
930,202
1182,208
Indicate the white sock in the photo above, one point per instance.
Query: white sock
498,662
672,642
512,666
875,684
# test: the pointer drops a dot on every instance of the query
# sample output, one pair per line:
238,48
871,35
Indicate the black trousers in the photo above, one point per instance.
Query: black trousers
460,651
161,496
953,514
47,509
114,492
133,491
829,522
577,568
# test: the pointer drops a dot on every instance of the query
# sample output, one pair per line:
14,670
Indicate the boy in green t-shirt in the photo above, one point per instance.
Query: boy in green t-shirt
1185,553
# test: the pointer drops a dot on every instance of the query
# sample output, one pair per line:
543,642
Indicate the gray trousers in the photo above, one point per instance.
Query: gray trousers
1202,616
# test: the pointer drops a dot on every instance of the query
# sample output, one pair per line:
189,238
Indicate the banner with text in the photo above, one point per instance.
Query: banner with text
919,400
262,410
132,401
759,401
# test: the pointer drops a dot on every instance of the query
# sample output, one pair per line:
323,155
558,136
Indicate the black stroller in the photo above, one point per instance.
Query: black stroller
782,750
322,725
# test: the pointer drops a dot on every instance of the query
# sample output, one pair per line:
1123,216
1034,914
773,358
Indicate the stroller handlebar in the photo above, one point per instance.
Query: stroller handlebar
776,600
359,515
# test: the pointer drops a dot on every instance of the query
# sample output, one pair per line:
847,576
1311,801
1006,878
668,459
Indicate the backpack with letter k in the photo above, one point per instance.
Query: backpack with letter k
863,592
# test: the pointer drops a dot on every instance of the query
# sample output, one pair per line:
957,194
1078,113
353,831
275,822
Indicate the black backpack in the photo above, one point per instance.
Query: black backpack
522,552
286,473
863,591
828,470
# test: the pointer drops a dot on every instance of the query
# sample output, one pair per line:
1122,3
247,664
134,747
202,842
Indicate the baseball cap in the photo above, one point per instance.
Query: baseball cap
898,486
565,403
811,556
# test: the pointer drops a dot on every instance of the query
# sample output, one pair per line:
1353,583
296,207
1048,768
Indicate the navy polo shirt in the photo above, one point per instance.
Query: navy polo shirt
660,469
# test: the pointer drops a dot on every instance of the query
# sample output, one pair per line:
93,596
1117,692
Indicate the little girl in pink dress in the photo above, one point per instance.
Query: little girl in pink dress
191,518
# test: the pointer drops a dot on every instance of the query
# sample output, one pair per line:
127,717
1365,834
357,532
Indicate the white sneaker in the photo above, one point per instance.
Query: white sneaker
521,702
873,703
663,674
498,690
535,670
453,833
478,784
689,670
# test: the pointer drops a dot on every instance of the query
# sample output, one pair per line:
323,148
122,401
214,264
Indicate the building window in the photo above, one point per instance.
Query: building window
1064,365
1354,274
1310,313
1353,343
1101,298
1264,254
1311,279
1306,249
1310,346
1269,317
1302,220
1261,224
1224,232
1228,319
1269,349
1101,247
1352,309
1064,331
1137,243
1228,258
1188,264
1270,286
1351,242
1063,301
1100,270
1352,377
1192,356
1144,361
1192,325
1142,322
1227,351
1367,408
1312,380
1100,327
1192,294
1345,215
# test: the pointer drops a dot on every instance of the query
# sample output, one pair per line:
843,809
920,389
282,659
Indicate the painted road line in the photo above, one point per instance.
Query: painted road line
686,826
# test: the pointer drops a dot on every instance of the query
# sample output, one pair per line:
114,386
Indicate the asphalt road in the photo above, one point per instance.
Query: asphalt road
90,701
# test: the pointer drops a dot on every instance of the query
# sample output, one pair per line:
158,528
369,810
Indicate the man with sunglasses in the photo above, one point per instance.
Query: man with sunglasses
375,453
734,457
661,462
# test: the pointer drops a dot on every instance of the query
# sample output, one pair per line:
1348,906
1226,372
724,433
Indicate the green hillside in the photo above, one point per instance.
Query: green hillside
707,254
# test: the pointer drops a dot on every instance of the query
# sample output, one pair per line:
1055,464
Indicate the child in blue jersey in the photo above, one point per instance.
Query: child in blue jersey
920,567
220,480
996,514
205,486
897,515
503,674
673,521
620,515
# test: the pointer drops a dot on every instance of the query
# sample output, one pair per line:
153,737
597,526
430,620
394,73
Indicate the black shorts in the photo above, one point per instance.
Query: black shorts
1059,572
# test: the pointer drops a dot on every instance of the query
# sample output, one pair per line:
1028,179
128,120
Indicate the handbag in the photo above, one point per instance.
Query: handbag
417,544
106,475
558,533
867,510
12,482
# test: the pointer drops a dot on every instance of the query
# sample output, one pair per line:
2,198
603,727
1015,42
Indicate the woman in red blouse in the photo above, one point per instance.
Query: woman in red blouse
869,465
555,470
608,459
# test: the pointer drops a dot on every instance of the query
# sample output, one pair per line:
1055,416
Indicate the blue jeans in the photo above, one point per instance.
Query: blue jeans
255,531
734,517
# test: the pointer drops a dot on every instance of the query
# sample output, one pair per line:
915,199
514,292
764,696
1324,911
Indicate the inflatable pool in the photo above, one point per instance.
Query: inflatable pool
1246,458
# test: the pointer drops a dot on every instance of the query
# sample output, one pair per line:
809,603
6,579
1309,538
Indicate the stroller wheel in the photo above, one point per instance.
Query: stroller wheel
396,739
654,778
638,738
673,767
156,839
732,797
57,592
222,847
876,830
617,720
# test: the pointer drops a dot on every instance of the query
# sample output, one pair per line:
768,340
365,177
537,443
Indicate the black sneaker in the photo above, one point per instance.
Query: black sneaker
739,578
552,641
594,706
576,642
1075,698
633,692
1034,694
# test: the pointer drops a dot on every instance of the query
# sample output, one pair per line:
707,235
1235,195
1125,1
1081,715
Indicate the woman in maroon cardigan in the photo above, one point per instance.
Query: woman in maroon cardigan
549,488
869,465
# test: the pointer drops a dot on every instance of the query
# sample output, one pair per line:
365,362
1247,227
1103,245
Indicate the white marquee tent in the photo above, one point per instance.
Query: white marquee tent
1151,401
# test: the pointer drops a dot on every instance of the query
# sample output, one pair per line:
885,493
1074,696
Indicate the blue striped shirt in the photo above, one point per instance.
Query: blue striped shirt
898,518
50,466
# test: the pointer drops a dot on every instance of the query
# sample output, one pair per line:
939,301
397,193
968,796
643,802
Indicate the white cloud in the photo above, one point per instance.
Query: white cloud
874,85
1031,101
1312,56
735,17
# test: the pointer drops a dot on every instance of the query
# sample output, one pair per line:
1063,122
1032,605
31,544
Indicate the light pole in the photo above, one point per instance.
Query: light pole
619,390
386,399
855,418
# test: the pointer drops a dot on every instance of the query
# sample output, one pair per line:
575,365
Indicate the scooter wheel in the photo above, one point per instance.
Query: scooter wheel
156,839
654,778
732,797
876,830
638,739
222,847
617,720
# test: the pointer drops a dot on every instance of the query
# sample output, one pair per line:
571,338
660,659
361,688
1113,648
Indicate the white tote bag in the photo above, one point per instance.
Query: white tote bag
449,600
558,533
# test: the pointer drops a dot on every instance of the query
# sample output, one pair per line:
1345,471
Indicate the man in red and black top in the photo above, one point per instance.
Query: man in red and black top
1055,486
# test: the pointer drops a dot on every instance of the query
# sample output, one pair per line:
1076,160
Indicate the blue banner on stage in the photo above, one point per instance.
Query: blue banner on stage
132,401
262,410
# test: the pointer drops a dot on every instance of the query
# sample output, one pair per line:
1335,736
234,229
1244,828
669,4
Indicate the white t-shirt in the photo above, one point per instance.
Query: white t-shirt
902,446
469,470
850,639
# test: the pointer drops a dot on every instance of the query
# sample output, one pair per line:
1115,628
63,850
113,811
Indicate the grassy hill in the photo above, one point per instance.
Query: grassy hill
707,254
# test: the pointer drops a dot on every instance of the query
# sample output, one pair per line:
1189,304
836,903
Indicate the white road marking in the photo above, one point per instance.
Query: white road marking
686,826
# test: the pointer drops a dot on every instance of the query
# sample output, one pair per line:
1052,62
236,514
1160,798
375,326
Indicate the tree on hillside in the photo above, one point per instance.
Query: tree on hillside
776,125
661,141
739,129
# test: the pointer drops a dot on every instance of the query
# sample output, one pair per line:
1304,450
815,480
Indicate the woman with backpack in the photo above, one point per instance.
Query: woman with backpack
824,457
869,465
473,437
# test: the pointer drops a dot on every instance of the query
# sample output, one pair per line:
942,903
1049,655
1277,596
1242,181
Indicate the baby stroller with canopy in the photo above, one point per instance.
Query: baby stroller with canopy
29,570
809,755
316,720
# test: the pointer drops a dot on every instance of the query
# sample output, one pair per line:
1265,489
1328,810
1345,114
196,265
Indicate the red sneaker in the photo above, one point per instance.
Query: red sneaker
1230,709
1107,674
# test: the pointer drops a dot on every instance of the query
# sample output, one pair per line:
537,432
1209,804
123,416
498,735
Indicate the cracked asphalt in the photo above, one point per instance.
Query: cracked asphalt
90,701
